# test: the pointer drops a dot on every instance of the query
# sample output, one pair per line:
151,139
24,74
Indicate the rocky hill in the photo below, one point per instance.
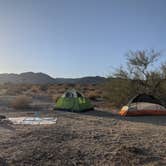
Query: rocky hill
42,78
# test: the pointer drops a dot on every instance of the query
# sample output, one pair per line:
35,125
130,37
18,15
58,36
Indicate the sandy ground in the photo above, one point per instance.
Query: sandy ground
92,138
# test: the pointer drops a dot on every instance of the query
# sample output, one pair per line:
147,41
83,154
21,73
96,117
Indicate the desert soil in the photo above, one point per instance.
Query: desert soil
97,138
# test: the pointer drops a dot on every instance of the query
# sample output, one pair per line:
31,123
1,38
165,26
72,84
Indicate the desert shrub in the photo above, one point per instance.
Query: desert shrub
44,87
55,97
161,93
118,91
21,102
85,89
53,89
35,89
70,85
93,95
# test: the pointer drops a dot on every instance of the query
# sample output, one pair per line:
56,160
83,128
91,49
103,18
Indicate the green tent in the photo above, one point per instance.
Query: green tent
73,101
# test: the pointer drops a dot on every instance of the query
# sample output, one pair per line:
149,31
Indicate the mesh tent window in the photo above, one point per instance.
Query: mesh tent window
72,94
69,95
144,98
79,94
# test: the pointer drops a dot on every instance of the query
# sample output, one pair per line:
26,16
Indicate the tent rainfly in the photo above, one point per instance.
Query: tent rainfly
143,104
73,101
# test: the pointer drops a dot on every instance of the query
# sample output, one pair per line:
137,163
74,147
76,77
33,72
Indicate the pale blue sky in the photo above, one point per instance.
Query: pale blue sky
74,38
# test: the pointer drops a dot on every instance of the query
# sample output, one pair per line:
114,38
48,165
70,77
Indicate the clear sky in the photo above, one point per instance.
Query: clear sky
74,38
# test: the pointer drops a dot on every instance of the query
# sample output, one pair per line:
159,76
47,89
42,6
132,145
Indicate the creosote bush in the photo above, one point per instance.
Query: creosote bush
21,102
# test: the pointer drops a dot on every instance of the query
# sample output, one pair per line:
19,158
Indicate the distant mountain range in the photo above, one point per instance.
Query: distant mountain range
42,78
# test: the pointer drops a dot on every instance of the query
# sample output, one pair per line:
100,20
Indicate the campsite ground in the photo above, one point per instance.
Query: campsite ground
98,137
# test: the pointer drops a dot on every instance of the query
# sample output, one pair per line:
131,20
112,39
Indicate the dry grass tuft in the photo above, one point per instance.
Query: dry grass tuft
93,95
21,102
